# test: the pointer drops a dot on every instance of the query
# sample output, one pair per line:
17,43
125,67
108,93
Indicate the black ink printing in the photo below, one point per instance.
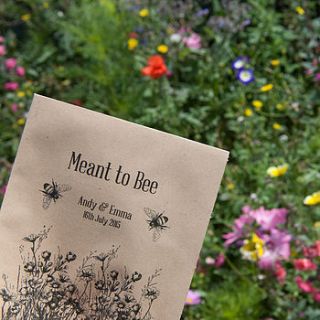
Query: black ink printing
156,222
106,172
46,289
53,191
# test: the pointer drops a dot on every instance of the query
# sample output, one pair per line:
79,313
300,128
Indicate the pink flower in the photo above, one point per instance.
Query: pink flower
193,298
11,86
20,71
304,264
193,41
280,273
277,248
219,260
3,189
312,251
10,63
14,107
316,296
305,286
317,76
269,219
2,39
266,219
2,50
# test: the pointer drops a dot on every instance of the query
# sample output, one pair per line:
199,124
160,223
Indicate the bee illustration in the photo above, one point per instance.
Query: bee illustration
157,222
52,191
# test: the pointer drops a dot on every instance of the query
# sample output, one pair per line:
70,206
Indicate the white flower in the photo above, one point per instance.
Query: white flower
175,38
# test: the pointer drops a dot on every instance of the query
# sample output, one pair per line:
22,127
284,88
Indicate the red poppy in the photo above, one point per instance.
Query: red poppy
156,67
133,35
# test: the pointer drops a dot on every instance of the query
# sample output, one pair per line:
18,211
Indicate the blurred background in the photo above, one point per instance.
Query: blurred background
238,75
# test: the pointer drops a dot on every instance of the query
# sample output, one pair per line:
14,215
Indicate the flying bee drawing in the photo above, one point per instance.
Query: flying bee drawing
52,191
157,222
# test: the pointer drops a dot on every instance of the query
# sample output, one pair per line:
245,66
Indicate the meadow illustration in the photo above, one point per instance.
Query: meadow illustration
45,287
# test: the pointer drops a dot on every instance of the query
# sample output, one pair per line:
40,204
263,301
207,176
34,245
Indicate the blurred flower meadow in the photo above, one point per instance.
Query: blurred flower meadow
239,75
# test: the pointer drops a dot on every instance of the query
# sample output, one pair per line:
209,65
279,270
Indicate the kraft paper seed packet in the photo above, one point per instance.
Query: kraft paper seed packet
102,218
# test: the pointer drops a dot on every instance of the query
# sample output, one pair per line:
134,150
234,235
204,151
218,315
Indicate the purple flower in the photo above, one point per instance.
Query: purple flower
245,76
202,12
269,219
277,248
245,23
265,219
193,298
238,228
317,76
239,63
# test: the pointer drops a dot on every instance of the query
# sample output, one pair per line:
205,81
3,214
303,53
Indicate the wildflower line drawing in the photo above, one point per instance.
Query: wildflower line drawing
45,288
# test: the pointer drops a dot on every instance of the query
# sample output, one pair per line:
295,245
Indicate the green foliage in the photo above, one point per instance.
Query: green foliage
226,303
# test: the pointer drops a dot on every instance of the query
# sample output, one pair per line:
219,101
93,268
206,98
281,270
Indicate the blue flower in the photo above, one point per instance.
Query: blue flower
239,63
245,76
202,12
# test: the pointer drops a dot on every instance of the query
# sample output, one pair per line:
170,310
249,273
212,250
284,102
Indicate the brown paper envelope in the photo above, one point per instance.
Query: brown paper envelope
102,218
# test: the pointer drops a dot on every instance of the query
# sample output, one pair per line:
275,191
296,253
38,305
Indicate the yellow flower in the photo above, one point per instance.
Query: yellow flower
275,62
280,107
230,186
317,225
312,199
248,112
266,87
257,104
46,5
132,43
277,171
26,17
21,94
252,249
300,11
277,126
162,48
21,121
144,13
